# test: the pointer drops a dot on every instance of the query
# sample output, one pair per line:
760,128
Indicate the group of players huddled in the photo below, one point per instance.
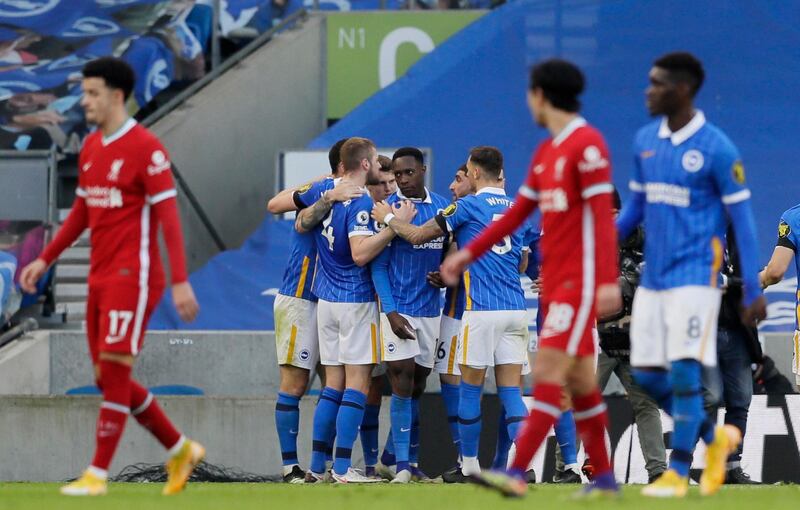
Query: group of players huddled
374,247
361,294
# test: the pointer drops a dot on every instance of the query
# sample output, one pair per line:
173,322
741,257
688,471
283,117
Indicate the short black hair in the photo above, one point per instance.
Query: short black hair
616,199
117,73
409,151
334,155
683,67
560,81
463,168
490,159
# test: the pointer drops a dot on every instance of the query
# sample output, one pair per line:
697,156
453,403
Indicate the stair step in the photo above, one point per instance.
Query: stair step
73,311
75,254
66,290
72,271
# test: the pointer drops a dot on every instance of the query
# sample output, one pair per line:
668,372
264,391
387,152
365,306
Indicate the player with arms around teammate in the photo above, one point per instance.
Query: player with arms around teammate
347,314
409,304
125,191
687,182
785,251
569,180
295,312
495,327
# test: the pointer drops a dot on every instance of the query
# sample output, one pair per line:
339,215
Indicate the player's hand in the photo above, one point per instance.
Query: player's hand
405,211
435,279
31,274
755,313
344,191
185,302
380,211
536,285
454,265
400,326
609,300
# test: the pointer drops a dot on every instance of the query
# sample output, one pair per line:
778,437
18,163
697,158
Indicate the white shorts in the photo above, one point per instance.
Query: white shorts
447,347
348,333
296,337
674,324
421,349
493,338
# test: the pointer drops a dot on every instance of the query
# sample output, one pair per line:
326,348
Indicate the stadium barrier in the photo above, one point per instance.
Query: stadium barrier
240,433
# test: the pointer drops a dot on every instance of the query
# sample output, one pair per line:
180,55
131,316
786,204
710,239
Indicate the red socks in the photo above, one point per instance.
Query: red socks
546,410
116,384
591,420
149,414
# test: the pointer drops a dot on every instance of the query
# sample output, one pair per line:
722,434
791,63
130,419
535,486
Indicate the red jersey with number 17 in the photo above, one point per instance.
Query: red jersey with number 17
565,173
120,178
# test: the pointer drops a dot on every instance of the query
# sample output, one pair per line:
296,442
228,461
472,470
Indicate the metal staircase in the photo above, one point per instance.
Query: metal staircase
70,287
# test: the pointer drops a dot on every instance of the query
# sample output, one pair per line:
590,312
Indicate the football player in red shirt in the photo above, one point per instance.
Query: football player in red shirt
125,191
570,181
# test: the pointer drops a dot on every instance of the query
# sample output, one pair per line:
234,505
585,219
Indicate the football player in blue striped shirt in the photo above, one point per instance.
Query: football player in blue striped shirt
687,182
495,326
295,312
347,314
409,308
786,251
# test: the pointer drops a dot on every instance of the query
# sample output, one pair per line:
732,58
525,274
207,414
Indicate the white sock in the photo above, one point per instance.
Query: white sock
99,473
571,467
470,466
175,449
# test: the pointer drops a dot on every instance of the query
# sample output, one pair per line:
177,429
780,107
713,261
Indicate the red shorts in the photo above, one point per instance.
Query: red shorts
117,316
568,323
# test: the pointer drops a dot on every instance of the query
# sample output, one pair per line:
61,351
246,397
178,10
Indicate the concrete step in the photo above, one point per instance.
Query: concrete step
72,271
71,290
75,254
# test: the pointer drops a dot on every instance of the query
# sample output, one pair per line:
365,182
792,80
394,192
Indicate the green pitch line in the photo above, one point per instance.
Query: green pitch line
121,496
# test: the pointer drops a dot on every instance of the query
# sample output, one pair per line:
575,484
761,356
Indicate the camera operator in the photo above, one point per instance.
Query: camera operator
615,350
731,384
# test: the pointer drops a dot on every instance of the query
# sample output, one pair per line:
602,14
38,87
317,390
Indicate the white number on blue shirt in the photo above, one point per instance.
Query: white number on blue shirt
327,230
503,246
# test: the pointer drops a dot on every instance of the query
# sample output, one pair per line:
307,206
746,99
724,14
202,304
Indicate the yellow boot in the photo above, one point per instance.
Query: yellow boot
181,465
89,484
726,441
668,485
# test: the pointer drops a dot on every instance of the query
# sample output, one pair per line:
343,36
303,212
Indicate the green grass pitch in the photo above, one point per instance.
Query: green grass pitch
201,496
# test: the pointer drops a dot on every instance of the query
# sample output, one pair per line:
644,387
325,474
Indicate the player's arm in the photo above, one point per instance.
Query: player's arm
524,204
728,174
161,194
310,217
285,201
364,248
430,230
632,212
70,231
782,256
379,268
523,260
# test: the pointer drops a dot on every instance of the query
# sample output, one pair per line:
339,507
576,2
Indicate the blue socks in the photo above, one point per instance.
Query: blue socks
503,443
469,418
369,434
324,427
687,407
450,396
515,410
566,435
287,421
400,434
351,413
413,450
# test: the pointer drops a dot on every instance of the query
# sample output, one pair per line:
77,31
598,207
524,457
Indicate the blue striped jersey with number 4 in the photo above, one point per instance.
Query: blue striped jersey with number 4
687,177
338,278
492,282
